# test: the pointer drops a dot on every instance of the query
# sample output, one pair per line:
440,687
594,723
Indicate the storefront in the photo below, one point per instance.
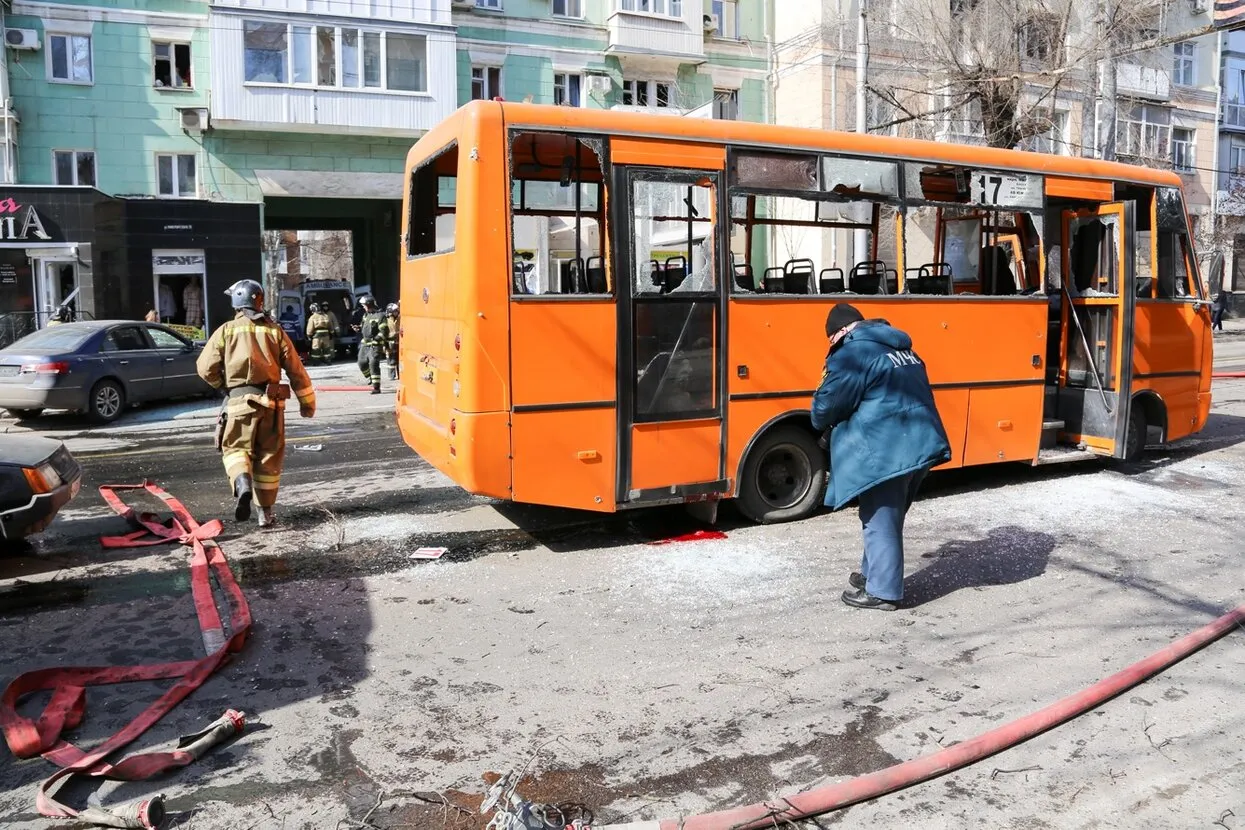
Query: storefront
47,237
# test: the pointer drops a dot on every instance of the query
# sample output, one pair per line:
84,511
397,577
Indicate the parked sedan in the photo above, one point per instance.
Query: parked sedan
98,367
38,476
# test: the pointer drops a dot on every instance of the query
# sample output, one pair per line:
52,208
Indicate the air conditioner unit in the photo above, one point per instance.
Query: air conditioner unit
463,4
21,38
1199,6
711,23
194,120
598,84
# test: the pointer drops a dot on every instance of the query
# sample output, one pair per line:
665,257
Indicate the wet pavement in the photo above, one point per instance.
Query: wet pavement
643,680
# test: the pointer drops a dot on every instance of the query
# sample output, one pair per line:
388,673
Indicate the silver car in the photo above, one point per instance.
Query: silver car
98,367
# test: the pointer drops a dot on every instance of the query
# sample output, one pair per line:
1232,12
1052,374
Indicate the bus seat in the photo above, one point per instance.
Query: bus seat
597,283
771,282
867,277
675,272
935,278
830,281
996,272
797,276
655,273
744,277
572,276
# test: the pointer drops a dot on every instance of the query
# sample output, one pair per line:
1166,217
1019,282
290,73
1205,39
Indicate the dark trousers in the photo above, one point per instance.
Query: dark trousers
883,509
1217,319
369,364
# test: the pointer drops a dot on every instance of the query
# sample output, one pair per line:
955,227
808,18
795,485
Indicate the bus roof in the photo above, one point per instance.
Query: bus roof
704,130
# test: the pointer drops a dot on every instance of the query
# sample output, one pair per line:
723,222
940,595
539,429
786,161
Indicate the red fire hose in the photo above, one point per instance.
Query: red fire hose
1222,375
67,706
816,802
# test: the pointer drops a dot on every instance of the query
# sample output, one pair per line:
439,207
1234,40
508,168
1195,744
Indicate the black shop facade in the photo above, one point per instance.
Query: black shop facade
114,258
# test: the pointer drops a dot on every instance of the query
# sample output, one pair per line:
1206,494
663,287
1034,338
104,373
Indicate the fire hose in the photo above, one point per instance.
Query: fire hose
67,705
832,797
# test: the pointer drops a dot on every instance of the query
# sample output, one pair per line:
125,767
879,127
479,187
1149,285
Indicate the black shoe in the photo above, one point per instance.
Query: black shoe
375,390
857,580
242,490
863,599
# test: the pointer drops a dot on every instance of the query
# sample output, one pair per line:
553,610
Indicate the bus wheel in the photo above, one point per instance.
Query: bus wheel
783,476
1138,429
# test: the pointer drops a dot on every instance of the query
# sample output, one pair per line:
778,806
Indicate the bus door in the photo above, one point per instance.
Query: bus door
671,361
1097,364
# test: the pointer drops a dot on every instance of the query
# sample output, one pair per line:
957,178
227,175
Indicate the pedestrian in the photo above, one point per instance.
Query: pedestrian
245,358
391,342
1222,300
322,330
373,332
885,436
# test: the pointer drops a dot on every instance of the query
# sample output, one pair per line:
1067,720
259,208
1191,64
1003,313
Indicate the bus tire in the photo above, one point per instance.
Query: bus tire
783,477
1138,432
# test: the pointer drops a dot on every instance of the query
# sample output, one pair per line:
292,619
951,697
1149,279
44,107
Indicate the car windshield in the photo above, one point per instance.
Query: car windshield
56,338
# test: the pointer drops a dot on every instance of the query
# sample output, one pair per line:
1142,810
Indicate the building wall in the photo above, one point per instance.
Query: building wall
121,115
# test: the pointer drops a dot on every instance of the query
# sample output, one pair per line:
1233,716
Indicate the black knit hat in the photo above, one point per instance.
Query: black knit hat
840,317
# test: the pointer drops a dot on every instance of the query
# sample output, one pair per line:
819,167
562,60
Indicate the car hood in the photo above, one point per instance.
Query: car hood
26,450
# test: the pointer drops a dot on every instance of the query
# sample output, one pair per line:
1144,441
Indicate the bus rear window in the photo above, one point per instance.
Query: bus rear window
433,191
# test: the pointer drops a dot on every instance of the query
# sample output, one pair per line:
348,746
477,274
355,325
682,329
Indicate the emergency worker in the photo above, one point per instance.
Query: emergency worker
373,333
391,343
64,315
322,330
886,435
244,358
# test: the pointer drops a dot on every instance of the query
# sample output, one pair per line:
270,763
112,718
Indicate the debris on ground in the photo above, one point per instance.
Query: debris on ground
429,553
309,447
694,536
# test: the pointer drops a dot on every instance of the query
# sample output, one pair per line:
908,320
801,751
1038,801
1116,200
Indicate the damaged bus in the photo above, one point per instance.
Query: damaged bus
606,310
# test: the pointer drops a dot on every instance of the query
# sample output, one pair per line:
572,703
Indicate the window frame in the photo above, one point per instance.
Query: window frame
175,156
409,184
76,154
651,88
567,77
308,32
486,70
669,9
566,5
1184,63
68,36
172,59
490,5
1189,164
729,11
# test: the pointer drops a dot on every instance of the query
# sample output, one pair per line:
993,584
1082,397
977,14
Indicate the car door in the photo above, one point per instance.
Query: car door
177,359
132,358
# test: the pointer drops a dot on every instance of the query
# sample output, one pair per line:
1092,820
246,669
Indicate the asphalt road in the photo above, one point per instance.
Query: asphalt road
655,679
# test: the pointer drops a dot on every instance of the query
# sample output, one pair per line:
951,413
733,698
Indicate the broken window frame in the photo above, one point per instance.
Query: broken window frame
425,200
596,209
169,58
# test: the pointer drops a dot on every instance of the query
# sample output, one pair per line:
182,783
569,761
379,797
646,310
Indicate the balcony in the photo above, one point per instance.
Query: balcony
1135,81
641,35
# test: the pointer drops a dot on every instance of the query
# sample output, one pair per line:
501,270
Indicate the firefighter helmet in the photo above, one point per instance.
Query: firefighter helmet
246,294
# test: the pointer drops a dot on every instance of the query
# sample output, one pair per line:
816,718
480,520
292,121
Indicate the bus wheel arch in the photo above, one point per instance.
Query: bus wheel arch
782,471
1147,410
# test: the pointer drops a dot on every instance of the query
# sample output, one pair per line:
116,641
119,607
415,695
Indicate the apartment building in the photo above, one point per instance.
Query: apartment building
926,59
1230,207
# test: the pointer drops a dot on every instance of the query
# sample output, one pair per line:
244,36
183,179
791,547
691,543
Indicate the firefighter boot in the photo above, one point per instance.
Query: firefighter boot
242,492
266,517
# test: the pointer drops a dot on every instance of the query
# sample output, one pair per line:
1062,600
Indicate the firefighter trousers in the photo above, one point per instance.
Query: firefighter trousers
322,347
369,363
254,442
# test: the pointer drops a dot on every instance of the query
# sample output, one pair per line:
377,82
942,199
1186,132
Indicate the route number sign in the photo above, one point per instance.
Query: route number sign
1005,189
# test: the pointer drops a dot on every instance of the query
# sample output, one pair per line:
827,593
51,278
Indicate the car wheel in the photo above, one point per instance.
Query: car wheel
783,476
107,401
25,414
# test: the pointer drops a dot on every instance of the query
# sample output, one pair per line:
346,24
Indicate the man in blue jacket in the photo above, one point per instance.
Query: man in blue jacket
886,436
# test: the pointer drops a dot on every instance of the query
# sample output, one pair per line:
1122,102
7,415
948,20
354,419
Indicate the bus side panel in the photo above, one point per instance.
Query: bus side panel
1168,359
566,354
565,458
1004,424
470,459
675,452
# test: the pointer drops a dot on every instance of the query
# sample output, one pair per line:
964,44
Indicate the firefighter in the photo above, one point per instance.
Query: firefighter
391,344
244,358
373,333
322,330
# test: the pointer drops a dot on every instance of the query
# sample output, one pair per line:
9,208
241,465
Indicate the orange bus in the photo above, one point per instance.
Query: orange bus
606,310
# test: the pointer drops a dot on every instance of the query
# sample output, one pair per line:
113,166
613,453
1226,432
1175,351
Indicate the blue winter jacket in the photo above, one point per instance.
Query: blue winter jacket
876,395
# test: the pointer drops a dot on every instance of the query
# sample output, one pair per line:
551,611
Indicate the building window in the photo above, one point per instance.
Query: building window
667,8
1143,130
1236,161
566,89
1054,140
74,167
727,14
329,56
1041,39
726,104
405,58
1184,68
485,83
171,63
568,8
70,58
494,5
645,94
1183,150
175,175
264,51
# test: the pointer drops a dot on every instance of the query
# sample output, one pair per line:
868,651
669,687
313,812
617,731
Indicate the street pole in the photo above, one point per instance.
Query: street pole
861,241
1105,112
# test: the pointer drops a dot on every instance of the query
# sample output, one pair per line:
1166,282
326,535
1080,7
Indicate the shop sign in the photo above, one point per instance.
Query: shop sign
19,222
8,273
